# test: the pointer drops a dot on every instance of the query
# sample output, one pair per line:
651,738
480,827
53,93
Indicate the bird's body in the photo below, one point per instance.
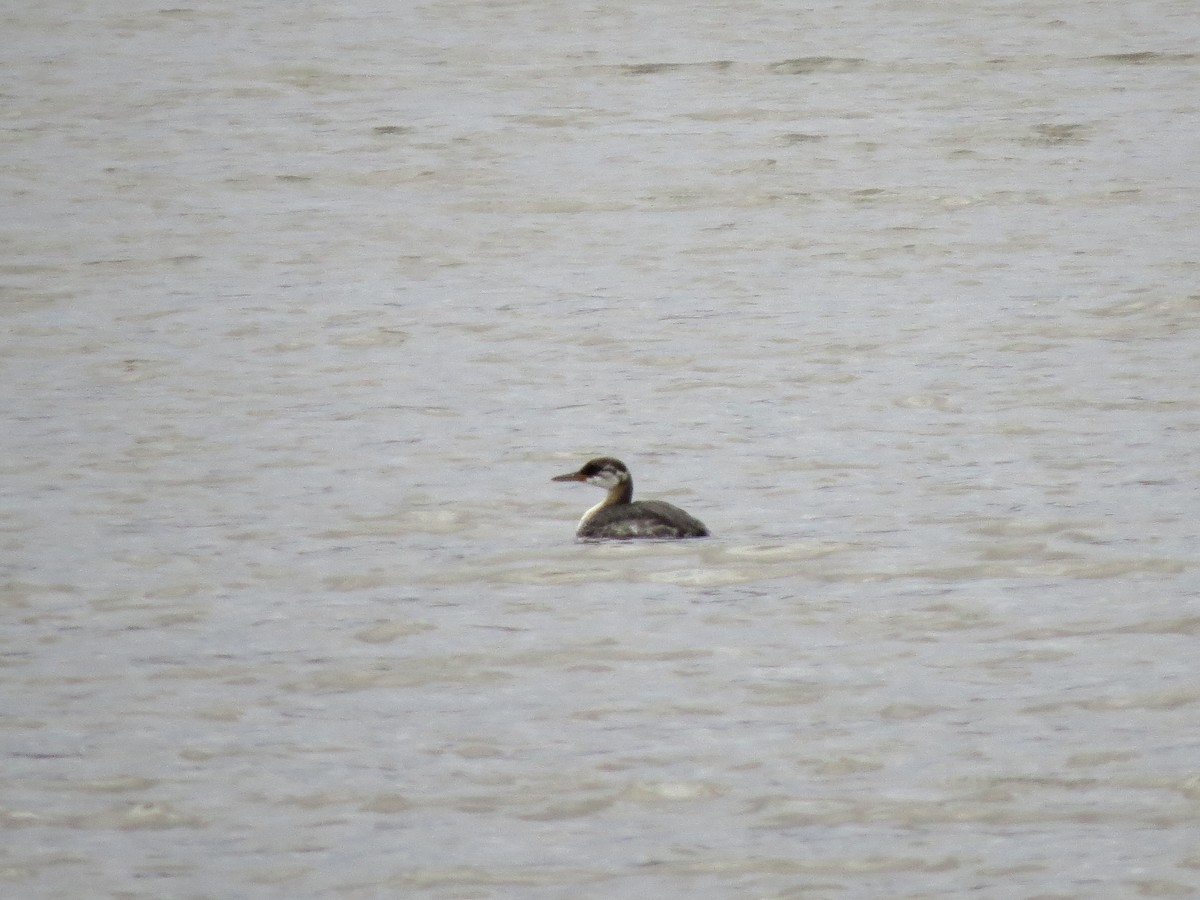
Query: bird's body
619,517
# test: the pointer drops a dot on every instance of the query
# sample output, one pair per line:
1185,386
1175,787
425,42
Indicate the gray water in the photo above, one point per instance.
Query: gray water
304,304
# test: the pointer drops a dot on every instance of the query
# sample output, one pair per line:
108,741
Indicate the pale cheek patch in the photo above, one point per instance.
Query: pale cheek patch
606,480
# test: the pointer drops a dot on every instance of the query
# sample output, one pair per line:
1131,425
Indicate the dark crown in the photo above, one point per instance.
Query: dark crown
596,466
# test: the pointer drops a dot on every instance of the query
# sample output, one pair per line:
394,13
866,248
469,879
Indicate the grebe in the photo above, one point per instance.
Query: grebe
617,516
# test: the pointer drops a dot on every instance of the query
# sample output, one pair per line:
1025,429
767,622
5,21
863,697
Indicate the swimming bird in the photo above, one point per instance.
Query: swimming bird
617,516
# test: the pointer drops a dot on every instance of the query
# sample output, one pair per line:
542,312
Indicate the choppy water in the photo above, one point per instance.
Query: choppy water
303,305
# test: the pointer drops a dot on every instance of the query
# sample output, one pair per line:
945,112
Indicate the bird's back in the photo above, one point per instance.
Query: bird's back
642,519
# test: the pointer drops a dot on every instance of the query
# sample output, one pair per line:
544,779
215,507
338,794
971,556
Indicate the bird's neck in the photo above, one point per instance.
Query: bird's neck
620,493
617,495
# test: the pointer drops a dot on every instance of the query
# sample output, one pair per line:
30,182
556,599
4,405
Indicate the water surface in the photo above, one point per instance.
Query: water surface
303,307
